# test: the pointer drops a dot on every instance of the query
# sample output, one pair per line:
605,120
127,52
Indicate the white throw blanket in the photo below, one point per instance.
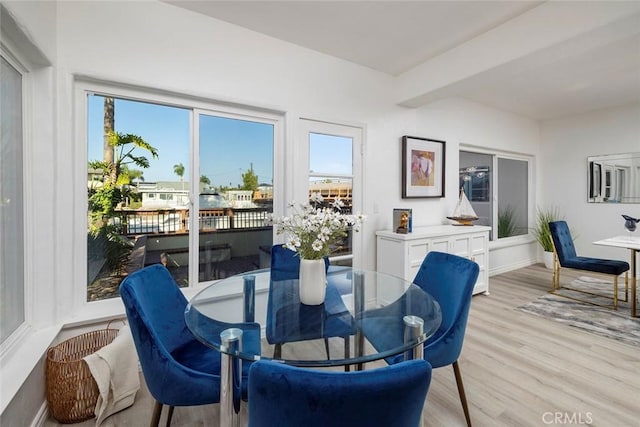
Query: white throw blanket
115,369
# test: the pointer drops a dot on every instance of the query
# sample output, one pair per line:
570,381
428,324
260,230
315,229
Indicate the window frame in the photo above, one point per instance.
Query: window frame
495,242
23,349
196,105
12,56
300,181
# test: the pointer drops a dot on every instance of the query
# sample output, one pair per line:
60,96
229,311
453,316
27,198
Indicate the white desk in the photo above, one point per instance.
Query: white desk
633,244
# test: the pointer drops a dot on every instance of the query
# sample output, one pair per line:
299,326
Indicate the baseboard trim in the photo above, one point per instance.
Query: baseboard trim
41,416
512,266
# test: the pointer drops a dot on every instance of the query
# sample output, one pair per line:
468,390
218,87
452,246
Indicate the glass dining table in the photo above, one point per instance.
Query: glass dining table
253,316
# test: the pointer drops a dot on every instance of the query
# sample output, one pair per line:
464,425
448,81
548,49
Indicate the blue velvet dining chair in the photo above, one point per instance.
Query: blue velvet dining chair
449,279
284,395
288,320
565,256
178,369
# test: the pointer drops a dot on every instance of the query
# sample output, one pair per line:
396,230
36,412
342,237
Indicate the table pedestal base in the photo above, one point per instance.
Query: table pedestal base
230,378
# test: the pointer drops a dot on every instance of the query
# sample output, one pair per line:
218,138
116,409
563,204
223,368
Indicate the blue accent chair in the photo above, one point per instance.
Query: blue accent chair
295,321
450,280
179,370
284,395
564,255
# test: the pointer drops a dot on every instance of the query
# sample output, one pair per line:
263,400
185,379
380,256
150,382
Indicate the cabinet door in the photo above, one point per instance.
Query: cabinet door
460,245
440,244
478,249
418,249
479,254
391,257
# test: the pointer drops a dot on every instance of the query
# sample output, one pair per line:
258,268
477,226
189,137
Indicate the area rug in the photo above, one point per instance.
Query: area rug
618,325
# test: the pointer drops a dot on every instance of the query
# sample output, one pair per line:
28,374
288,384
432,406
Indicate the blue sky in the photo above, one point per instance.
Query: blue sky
165,128
228,147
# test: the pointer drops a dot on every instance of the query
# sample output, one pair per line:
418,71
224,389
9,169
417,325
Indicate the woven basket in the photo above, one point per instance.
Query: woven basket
72,392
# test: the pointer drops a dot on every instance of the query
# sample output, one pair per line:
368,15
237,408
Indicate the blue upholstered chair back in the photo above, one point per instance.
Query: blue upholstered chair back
155,309
450,280
283,395
287,319
285,263
562,241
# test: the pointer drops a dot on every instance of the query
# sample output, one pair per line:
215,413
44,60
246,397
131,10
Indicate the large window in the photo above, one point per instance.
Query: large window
12,290
158,171
497,185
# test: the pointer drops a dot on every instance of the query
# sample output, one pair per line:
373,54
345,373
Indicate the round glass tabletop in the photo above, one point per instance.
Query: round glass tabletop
365,316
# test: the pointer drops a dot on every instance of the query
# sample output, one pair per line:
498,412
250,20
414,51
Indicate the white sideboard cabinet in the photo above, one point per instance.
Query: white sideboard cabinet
402,254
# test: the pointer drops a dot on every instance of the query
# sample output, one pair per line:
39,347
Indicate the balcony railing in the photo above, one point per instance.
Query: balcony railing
175,221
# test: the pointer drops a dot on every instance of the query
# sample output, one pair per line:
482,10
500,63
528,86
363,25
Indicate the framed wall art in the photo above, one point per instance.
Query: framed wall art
423,163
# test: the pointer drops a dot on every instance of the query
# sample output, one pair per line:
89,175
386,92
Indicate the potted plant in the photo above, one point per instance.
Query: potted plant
542,233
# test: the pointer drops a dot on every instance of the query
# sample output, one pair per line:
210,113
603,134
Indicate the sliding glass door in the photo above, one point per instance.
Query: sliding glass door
235,194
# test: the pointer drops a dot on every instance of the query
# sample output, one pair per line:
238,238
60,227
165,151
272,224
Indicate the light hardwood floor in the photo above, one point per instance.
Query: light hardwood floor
518,370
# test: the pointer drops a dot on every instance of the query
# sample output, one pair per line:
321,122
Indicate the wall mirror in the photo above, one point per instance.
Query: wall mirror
614,178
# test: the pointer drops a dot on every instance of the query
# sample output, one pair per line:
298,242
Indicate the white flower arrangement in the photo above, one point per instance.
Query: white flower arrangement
312,231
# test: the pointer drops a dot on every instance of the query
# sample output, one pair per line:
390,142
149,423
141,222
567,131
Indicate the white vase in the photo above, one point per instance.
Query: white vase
312,281
547,257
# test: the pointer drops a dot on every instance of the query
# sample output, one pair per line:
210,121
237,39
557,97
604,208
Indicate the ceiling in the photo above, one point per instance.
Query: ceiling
573,56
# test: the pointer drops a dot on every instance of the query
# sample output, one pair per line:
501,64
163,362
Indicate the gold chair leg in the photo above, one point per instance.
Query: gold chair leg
555,281
615,292
463,397
626,286
556,276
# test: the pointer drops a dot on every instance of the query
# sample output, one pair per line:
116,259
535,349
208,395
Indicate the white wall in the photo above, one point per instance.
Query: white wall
566,144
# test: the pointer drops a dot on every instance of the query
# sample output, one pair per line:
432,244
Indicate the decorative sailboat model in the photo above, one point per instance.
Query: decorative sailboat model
463,214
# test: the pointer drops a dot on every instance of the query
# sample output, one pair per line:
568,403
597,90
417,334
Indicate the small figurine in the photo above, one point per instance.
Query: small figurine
403,227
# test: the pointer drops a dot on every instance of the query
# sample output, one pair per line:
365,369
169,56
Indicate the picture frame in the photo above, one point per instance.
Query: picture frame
423,167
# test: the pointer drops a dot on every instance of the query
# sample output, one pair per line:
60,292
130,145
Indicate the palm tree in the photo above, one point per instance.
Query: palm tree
179,170
136,175
102,203
109,115
205,180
